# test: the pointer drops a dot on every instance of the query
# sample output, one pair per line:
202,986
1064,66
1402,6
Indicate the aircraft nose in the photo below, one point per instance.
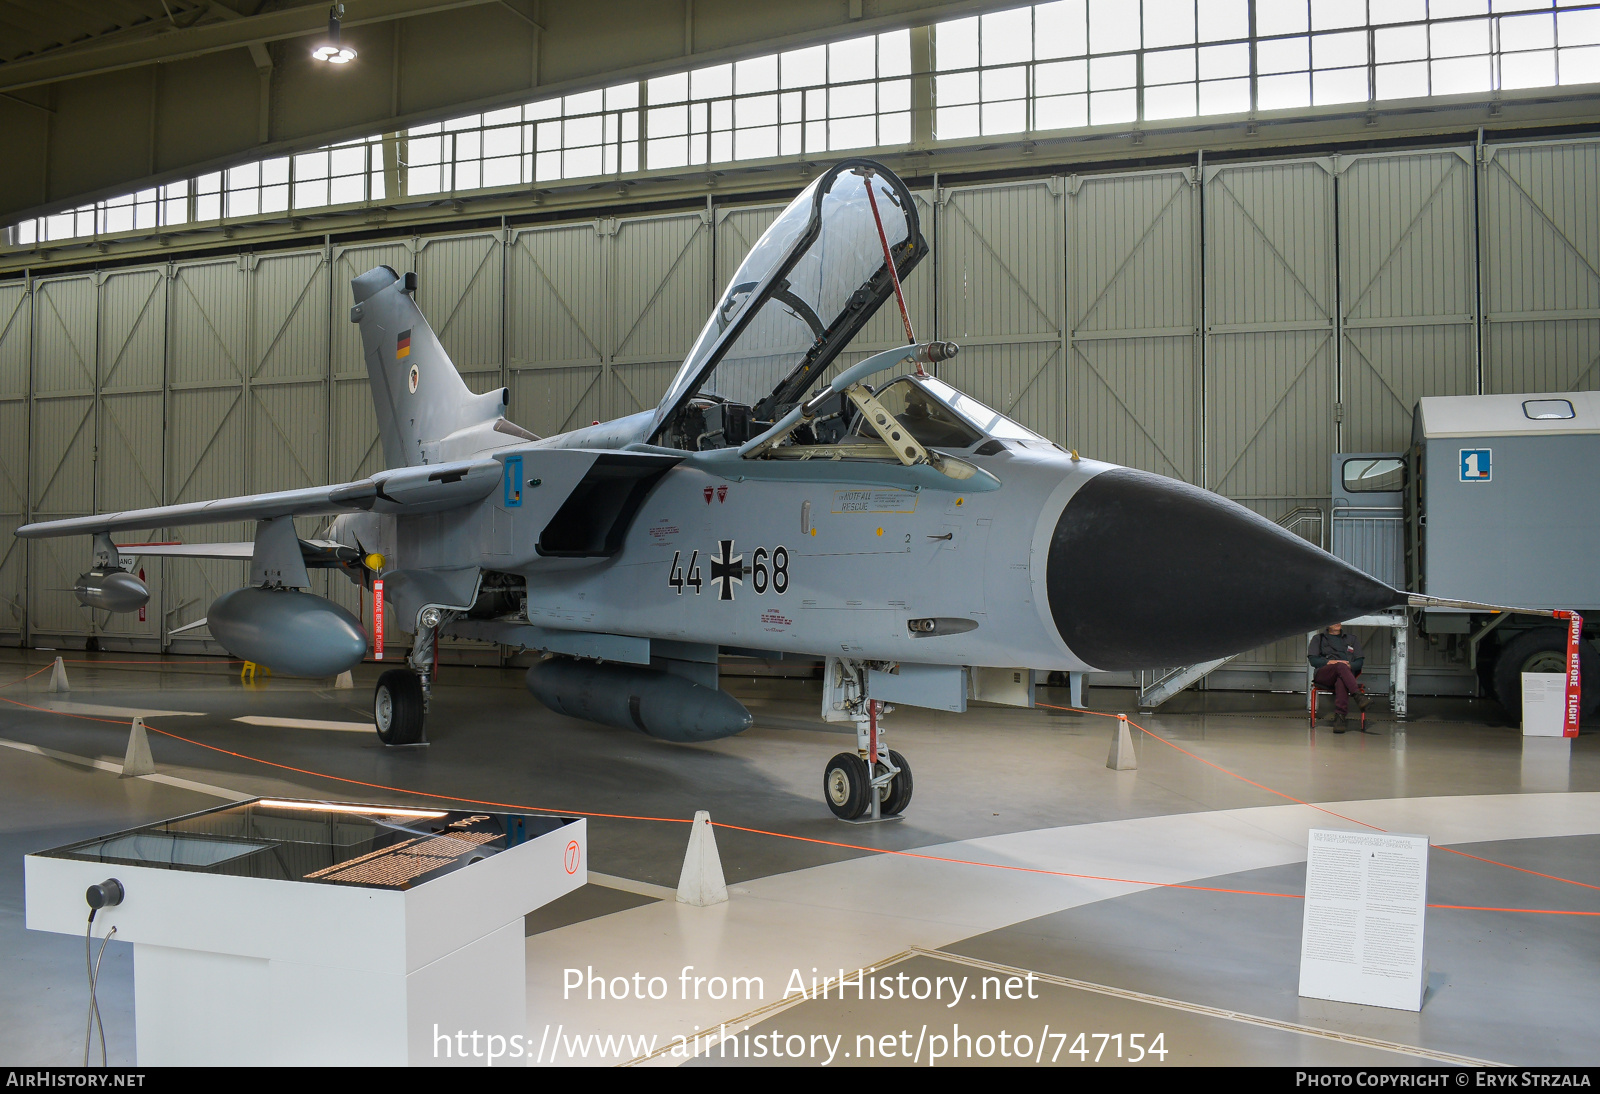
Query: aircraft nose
1149,572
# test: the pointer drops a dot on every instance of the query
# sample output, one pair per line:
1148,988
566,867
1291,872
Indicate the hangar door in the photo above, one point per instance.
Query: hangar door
16,337
1000,253
1407,296
1271,351
1271,354
553,336
1133,301
461,291
130,434
660,294
602,314
1541,267
61,455
249,396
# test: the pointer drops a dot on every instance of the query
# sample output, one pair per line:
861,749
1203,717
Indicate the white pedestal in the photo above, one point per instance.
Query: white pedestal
240,970
1547,764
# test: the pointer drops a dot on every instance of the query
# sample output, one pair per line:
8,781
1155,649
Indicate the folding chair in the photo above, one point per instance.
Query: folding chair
1315,691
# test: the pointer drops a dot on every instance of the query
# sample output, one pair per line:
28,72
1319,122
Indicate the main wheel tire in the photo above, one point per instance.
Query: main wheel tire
899,796
1542,650
845,786
397,707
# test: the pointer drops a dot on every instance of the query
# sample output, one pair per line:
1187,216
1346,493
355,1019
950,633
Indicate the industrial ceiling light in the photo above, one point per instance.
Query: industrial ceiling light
332,49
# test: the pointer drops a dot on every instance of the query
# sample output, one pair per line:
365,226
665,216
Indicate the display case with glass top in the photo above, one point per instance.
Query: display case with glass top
326,842
276,931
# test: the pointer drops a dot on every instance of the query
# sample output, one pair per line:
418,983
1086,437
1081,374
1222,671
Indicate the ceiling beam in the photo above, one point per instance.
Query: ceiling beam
173,45
62,26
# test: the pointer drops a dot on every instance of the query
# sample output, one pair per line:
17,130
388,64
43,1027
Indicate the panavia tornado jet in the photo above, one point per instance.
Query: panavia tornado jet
778,500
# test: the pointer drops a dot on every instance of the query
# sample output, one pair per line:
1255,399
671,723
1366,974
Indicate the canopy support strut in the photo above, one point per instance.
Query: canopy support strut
894,274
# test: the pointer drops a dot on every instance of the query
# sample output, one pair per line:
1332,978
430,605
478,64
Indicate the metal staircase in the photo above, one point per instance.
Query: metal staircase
1156,686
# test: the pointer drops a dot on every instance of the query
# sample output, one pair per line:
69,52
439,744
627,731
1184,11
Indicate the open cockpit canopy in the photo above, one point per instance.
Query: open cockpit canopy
810,283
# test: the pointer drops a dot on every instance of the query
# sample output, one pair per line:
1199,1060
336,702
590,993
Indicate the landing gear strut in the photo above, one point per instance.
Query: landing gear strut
400,701
873,780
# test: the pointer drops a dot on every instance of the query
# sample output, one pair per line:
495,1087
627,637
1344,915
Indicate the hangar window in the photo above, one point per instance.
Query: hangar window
1075,63
571,136
1064,64
851,94
1369,476
1544,410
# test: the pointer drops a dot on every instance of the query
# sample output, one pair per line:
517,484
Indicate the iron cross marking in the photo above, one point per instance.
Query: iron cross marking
727,570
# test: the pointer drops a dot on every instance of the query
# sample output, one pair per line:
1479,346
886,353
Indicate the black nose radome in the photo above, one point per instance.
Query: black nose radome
1149,572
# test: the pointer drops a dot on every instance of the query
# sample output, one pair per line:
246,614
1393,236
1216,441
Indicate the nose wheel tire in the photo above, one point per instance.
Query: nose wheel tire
397,707
894,802
845,786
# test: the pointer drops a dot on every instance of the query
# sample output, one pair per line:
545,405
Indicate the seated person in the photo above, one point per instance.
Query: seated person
1337,659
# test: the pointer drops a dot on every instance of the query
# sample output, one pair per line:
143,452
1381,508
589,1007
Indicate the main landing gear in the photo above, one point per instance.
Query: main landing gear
400,701
851,789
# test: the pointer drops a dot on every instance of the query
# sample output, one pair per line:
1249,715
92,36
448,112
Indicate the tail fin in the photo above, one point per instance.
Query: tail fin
418,394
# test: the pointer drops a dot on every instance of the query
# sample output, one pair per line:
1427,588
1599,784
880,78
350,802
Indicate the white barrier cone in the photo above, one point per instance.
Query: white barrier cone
345,679
138,760
58,677
1122,757
701,883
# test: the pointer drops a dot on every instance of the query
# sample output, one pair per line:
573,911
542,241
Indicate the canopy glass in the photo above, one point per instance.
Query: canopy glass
809,284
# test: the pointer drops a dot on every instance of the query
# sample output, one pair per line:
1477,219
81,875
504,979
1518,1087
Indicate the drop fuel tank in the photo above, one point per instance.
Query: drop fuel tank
294,633
652,701
111,591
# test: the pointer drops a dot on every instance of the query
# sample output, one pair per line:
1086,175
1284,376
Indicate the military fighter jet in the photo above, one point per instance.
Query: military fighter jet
927,546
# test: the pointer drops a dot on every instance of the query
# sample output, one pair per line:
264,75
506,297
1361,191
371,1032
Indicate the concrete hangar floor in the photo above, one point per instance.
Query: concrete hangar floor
1211,967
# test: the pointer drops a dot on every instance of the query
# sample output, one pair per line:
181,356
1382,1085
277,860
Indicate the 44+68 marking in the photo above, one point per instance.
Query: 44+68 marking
727,570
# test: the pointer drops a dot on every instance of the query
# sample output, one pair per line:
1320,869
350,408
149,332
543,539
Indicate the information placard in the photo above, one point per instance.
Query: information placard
1544,704
1366,900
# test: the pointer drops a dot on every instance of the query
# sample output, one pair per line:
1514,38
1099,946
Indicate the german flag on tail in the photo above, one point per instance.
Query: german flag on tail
402,344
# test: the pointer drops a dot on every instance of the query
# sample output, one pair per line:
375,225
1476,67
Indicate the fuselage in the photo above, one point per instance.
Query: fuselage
816,567
834,567
1037,559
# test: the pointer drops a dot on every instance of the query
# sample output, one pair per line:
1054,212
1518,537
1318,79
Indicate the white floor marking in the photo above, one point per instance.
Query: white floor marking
62,706
116,769
847,914
307,723
1213,1012
707,1044
628,885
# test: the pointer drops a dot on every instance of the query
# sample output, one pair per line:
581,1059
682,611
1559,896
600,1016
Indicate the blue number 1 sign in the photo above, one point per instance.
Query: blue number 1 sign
1475,466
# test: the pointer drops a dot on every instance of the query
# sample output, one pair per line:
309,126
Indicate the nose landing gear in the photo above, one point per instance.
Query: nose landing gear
854,790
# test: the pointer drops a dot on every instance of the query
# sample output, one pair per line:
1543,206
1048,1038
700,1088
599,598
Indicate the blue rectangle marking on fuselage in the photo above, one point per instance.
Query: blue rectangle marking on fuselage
513,495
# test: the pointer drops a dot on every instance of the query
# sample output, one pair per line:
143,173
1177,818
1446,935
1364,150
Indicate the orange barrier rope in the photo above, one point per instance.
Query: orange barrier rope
340,778
1311,805
174,664
1219,767
781,835
30,676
